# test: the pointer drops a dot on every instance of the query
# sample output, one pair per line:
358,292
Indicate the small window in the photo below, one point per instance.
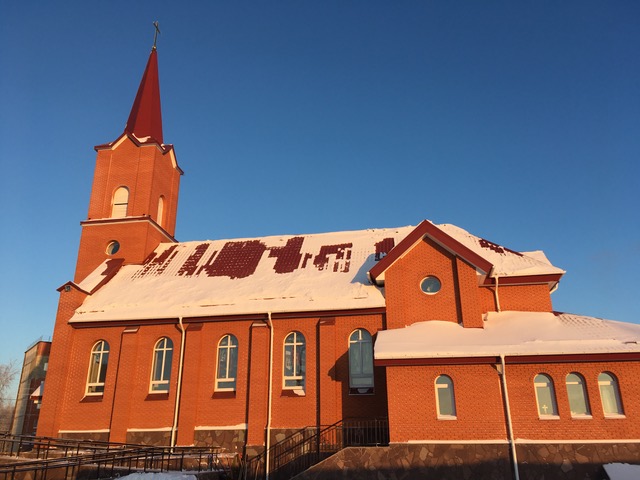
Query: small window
227,364
161,370
360,362
98,368
161,211
430,285
445,398
112,247
120,203
577,393
545,396
610,395
294,368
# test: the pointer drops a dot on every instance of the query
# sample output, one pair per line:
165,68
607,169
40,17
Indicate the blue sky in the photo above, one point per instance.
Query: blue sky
517,121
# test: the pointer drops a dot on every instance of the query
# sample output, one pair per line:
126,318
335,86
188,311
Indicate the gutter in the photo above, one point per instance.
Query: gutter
176,409
514,456
269,399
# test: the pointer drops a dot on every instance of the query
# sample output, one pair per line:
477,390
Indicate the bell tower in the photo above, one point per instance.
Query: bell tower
134,197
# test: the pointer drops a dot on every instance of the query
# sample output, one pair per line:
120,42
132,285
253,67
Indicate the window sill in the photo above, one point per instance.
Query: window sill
356,391
612,416
92,397
447,417
581,417
293,393
549,417
224,394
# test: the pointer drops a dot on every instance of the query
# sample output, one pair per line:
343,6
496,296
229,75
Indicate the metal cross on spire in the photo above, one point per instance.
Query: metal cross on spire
155,35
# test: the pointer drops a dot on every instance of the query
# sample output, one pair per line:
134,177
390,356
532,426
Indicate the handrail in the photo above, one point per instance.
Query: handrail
112,457
293,454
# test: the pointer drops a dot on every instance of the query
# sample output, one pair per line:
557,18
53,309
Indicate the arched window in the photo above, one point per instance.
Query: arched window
227,364
98,368
577,393
445,397
120,203
545,396
161,370
294,365
161,211
610,394
360,362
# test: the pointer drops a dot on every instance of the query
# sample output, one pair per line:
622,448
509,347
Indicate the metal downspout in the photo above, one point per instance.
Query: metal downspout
269,401
174,427
512,443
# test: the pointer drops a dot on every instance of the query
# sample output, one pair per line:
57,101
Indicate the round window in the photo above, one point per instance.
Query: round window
430,285
113,247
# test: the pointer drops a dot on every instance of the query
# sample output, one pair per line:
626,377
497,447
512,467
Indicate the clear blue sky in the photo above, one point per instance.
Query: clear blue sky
517,121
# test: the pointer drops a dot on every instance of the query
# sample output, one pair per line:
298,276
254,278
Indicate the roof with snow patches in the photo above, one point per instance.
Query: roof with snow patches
302,273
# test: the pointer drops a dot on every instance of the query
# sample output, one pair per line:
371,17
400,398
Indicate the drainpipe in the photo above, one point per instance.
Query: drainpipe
179,388
494,275
512,443
269,400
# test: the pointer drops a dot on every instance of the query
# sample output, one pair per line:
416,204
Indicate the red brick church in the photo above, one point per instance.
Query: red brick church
448,337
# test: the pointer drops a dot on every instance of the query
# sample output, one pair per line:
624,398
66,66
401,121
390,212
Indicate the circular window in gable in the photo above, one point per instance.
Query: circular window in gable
113,247
430,285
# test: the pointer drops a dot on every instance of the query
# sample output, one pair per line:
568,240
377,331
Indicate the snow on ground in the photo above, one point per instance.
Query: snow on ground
160,476
622,471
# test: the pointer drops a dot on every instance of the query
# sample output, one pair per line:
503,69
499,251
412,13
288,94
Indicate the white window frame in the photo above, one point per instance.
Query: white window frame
296,344
449,390
162,349
614,384
359,381
579,386
120,206
98,363
222,375
547,384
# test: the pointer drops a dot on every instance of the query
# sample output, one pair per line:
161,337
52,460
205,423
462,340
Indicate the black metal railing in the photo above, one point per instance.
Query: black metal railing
66,459
311,445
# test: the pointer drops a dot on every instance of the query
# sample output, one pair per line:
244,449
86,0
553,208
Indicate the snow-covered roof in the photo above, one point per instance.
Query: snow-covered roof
506,262
245,276
490,259
509,333
302,273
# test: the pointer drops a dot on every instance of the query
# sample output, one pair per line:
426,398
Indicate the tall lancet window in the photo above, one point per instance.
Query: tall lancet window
120,203
161,211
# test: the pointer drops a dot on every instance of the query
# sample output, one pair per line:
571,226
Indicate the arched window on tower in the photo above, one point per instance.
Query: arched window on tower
161,211
120,202
360,362
98,368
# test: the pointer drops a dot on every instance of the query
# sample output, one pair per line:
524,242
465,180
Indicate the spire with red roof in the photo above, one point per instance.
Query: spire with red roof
145,119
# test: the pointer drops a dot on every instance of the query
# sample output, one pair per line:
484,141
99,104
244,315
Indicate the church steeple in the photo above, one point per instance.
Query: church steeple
134,198
145,119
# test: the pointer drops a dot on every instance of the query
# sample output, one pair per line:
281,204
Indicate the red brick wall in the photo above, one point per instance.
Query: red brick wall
526,298
59,363
406,303
479,403
148,174
127,403
525,413
412,403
